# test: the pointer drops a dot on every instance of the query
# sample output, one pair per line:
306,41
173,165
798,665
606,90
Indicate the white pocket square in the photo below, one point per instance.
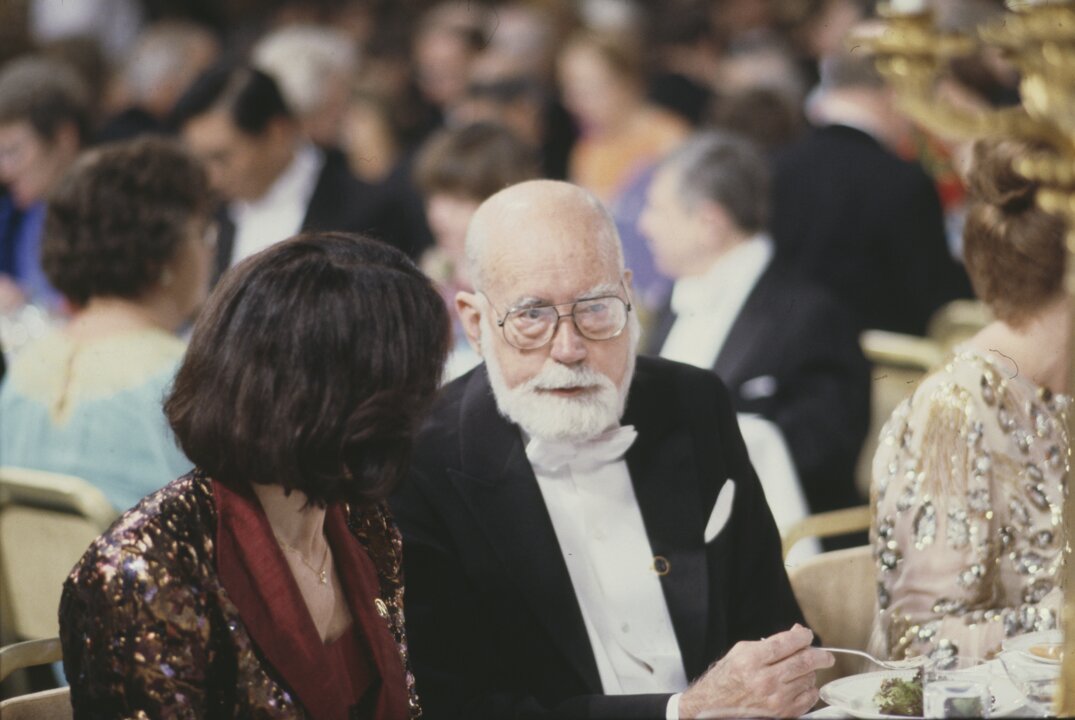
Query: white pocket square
722,510
757,388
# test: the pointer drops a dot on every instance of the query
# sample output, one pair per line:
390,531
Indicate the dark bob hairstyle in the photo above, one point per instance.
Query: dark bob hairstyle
120,215
311,367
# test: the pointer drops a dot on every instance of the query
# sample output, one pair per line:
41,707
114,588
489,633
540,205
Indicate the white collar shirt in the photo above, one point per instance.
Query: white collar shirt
707,305
279,213
602,538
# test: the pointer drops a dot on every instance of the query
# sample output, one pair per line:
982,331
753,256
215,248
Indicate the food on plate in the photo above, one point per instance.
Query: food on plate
900,696
1047,652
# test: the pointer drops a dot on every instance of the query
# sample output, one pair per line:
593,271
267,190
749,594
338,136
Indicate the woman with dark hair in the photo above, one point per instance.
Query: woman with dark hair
126,241
267,582
967,482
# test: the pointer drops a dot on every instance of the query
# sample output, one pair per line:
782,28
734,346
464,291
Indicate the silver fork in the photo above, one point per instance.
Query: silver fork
910,664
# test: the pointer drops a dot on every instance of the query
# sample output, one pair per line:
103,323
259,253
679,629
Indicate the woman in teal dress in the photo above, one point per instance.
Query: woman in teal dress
126,242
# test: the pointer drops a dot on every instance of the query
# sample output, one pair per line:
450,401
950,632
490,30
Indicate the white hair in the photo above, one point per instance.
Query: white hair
160,56
524,199
301,57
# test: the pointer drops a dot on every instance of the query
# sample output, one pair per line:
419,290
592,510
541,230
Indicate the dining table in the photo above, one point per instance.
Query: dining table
996,673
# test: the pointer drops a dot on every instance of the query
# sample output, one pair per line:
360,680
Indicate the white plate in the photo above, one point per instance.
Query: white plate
1023,643
854,694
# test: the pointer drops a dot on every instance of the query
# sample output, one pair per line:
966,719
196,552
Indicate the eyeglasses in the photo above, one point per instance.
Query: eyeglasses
599,318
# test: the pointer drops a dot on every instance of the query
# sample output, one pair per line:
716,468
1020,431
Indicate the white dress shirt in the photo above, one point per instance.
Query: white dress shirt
278,214
706,305
603,540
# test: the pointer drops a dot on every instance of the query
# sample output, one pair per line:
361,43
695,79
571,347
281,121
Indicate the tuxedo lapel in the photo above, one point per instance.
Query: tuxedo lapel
225,243
664,474
498,484
734,362
326,198
662,325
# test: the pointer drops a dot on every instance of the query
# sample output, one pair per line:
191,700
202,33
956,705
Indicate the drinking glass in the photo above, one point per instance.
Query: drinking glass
1035,678
956,687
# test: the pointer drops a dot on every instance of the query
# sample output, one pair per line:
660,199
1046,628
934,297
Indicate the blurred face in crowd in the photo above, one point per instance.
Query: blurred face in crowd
593,91
368,139
678,235
31,165
543,243
449,215
442,61
324,124
241,166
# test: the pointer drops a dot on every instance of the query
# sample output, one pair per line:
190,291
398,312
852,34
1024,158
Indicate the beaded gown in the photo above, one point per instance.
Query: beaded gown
150,629
967,499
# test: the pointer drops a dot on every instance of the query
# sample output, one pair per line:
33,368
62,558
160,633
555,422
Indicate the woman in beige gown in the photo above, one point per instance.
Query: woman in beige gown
967,480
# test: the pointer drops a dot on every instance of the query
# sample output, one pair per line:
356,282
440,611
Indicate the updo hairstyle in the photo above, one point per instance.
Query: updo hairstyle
1013,250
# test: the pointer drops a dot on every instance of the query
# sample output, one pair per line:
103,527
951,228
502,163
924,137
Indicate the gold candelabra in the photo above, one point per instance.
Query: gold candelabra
1038,37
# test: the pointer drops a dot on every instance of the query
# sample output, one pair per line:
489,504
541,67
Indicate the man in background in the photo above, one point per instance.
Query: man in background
44,122
274,181
854,216
783,346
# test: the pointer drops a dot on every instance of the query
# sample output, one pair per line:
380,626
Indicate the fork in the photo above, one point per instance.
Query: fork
910,664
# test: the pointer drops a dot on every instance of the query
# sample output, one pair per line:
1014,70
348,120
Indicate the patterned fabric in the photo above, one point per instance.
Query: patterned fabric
149,632
967,496
93,409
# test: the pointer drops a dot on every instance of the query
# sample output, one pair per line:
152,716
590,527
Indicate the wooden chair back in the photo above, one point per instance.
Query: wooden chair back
838,595
53,704
898,363
47,520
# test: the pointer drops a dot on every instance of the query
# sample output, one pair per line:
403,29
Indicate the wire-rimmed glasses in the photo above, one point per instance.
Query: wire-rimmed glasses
534,326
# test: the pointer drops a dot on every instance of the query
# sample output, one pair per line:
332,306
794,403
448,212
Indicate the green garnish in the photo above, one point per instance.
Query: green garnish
900,697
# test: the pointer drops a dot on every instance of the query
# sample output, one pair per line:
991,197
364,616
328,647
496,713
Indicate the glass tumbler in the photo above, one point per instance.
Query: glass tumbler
1037,679
956,687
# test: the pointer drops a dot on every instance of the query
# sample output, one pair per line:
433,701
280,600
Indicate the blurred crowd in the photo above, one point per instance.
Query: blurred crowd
596,89
772,202
396,119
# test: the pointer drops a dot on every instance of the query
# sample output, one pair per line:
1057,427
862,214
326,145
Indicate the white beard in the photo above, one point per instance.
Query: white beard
550,417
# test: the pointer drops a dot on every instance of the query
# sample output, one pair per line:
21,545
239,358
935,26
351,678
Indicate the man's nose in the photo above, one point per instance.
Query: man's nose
568,346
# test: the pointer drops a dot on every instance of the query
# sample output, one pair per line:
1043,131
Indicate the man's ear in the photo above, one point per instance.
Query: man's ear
468,305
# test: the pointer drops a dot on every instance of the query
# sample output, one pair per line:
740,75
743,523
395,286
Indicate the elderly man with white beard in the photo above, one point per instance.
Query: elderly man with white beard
584,537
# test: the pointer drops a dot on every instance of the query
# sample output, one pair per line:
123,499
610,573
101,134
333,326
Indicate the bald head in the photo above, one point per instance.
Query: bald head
540,221
539,253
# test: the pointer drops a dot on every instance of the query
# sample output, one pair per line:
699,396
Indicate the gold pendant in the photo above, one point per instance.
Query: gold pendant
324,578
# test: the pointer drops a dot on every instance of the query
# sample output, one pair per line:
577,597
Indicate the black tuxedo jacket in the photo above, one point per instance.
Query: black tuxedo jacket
342,202
494,625
793,356
866,225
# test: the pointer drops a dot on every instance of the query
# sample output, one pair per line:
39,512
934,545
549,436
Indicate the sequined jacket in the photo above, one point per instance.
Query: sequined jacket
967,497
148,631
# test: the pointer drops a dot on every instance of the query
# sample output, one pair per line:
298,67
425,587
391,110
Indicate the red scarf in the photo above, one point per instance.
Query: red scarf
253,570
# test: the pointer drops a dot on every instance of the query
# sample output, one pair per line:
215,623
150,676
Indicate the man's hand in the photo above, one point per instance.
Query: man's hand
773,677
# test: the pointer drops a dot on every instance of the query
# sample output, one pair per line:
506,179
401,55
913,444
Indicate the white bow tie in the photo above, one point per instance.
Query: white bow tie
551,455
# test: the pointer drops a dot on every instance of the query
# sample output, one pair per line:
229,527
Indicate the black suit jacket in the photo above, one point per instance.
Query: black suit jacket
494,625
793,356
342,202
866,225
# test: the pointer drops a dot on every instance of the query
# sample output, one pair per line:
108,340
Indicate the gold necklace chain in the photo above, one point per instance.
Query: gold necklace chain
322,575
